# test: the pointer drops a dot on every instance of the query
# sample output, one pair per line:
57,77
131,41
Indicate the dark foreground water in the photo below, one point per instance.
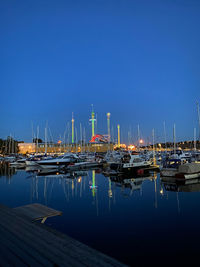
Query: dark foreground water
139,222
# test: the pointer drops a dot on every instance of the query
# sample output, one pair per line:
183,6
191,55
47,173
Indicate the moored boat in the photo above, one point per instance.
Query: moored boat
63,160
182,171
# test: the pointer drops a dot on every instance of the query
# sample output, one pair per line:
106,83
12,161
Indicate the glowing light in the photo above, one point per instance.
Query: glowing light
59,141
121,145
79,179
161,191
92,120
99,138
131,147
141,141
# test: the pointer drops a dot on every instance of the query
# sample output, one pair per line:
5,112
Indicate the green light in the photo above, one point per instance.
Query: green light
93,183
92,120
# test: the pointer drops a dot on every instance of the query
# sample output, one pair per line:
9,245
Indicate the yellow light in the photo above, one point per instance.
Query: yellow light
161,191
79,179
141,141
131,147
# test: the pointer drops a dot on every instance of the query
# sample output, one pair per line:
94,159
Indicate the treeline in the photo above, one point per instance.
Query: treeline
8,146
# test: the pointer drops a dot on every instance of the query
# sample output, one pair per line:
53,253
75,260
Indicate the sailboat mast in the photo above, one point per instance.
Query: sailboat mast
37,140
165,136
153,146
198,112
45,137
195,147
81,138
138,137
174,137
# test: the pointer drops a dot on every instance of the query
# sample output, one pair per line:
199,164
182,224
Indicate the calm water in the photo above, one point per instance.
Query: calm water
138,224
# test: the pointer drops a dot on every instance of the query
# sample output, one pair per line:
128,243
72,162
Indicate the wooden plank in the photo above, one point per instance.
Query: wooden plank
37,211
35,242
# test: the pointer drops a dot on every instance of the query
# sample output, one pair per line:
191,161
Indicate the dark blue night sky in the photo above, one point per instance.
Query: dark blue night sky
138,60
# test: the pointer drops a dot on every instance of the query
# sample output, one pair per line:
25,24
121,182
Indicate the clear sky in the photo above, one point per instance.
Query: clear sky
137,59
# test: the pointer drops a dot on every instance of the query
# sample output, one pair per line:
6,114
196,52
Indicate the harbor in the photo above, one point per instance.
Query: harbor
93,199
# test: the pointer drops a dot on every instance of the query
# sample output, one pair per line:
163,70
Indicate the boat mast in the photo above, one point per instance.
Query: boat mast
195,147
153,147
81,138
138,137
37,140
76,139
45,137
174,137
165,136
198,112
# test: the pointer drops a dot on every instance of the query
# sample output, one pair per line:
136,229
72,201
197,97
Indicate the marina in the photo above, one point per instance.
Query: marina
100,133
98,206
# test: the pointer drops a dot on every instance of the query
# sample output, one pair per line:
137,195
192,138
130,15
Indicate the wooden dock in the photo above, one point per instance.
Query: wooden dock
24,241
36,212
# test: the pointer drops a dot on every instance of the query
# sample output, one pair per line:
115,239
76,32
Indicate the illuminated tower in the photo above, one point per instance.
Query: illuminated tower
108,123
72,128
92,120
118,127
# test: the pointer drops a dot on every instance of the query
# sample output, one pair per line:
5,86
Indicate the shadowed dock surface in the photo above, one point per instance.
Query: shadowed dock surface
37,212
23,242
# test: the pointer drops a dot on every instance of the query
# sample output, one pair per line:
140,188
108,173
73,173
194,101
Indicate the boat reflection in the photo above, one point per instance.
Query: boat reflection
6,171
133,184
177,185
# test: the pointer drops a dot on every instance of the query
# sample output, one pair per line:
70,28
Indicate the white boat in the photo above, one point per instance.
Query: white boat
20,163
183,171
64,160
133,163
33,161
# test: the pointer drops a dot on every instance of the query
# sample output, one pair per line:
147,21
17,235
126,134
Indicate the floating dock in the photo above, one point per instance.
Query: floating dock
25,241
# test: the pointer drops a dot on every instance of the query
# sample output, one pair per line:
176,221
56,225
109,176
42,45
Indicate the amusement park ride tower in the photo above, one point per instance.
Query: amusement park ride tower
92,120
118,127
108,124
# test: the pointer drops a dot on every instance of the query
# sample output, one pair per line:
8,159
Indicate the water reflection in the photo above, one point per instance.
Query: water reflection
177,185
149,211
6,171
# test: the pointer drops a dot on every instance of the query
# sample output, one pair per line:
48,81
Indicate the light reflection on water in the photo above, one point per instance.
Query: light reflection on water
138,221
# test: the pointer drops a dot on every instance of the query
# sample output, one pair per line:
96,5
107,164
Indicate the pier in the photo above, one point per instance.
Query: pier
25,241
